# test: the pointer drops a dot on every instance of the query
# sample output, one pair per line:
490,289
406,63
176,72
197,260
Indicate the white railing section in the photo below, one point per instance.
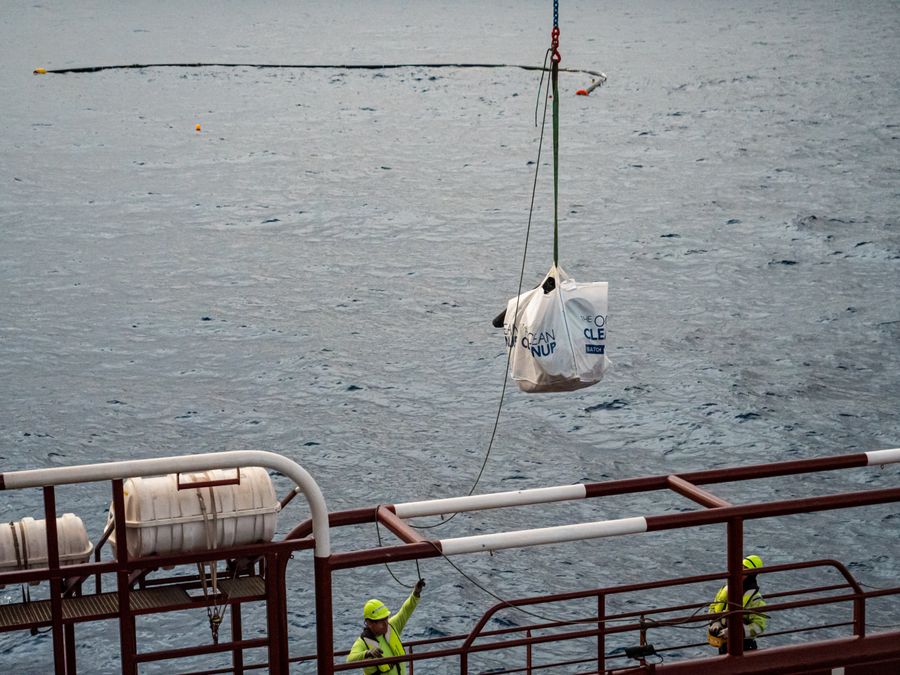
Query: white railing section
543,535
495,500
878,457
89,473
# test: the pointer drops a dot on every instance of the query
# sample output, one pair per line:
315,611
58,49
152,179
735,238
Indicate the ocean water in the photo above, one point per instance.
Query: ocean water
315,271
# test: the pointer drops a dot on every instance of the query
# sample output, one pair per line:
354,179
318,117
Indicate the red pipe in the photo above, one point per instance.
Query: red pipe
281,562
821,657
59,653
387,554
184,652
695,493
772,509
237,634
601,636
735,547
324,628
39,574
127,634
776,469
528,652
335,519
624,486
71,666
272,606
398,526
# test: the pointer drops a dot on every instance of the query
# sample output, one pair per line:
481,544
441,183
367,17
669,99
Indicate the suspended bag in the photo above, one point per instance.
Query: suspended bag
558,337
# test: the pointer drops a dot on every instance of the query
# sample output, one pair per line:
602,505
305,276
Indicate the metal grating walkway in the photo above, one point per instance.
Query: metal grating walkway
106,605
243,587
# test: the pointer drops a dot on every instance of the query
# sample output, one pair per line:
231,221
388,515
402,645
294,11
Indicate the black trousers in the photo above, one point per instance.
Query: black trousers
749,646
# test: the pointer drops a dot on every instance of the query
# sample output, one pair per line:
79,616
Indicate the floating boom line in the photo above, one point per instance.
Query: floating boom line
598,76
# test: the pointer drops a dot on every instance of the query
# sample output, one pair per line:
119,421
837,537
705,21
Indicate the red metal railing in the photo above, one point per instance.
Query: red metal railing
269,561
479,640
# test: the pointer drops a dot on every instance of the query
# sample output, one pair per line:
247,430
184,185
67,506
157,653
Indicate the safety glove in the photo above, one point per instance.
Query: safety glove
374,653
420,584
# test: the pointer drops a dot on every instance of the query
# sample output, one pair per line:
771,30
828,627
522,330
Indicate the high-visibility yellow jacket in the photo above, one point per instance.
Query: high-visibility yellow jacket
389,642
754,622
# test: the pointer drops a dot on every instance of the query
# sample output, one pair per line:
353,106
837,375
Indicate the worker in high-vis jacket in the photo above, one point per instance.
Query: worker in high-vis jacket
754,620
381,636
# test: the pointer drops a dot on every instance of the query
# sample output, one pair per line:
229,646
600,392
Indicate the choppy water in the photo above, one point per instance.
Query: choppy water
314,273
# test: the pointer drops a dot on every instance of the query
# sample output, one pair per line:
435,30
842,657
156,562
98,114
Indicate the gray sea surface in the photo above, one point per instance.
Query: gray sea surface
314,273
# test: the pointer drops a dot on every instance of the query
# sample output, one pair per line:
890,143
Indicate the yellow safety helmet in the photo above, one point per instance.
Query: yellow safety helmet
753,562
375,610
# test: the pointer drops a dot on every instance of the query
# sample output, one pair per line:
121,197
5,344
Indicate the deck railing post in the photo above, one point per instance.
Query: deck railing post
237,634
528,653
127,634
859,617
272,607
735,587
284,655
601,636
324,619
71,667
59,640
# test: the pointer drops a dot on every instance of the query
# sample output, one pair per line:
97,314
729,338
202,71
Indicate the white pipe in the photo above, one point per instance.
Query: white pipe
544,535
435,507
883,456
90,473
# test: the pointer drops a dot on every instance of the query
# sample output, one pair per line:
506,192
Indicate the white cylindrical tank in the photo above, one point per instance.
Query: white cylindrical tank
23,544
161,519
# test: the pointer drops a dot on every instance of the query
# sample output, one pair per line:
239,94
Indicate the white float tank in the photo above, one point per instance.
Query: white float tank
23,544
162,519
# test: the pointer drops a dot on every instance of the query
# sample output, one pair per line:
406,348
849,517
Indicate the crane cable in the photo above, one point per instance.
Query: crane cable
553,55
555,58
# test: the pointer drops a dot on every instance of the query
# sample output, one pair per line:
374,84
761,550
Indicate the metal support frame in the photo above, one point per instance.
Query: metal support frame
237,635
127,629
273,558
735,547
59,640
324,626
601,635
273,625
117,472
717,510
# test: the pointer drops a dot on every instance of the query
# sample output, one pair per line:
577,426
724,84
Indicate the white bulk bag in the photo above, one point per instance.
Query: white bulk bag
558,338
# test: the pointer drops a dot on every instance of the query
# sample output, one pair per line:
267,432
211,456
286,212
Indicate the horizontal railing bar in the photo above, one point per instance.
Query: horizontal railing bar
435,507
617,487
544,535
168,654
151,562
772,509
636,525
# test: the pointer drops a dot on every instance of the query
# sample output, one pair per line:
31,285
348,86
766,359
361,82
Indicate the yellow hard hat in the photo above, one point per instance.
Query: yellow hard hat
375,610
753,562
